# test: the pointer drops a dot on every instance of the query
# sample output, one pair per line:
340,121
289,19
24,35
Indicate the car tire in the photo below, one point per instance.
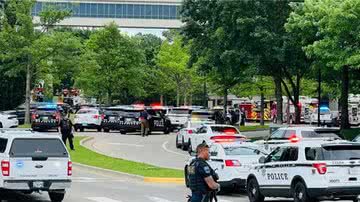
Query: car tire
123,132
186,176
183,145
81,129
56,196
1,125
300,193
76,129
166,131
253,191
177,142
106,130
99,129
189,147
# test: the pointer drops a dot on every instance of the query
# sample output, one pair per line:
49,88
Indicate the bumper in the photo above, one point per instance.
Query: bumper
110,126
44,125
29,185
88,126
334,192
234,183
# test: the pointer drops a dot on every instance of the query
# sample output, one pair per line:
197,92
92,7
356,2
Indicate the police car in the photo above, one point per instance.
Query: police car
159,120
290,134
231,160
207,133
88,118
34,162
179,116
308,170
183,136
45,117
8,120
111,118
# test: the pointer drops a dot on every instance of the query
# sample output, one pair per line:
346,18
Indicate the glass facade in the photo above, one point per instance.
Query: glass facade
112,10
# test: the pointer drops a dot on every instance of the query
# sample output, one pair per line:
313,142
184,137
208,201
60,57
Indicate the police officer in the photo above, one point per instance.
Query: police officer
201,176
66,131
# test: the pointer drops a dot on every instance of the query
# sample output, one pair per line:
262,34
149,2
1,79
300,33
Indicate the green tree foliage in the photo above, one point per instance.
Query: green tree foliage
173,60
335,26
22,49
112,66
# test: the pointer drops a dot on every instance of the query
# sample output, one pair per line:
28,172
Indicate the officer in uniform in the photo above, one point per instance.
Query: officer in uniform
202,178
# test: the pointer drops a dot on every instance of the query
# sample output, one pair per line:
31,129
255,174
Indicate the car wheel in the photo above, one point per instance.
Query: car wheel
106,130
81,129
75,128
56,196
177,142
189,147
99,129
253,191
183,145
166,131
187,181
300,193
123,132
1,125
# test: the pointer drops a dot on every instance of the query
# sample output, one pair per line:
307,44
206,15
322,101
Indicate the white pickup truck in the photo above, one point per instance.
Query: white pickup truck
33,162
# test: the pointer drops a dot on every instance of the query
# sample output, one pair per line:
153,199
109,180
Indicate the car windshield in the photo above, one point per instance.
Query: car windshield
318,134
87,111
26,147
249,151
224,129
333,152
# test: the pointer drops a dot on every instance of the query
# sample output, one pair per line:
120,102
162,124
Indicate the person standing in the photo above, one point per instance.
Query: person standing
144,116
202,178
66,129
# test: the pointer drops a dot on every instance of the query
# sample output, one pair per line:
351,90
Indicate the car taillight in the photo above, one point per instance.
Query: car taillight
69,169
294,139
232,163
102,116
34,116
190,131
96,116
5,168
320,167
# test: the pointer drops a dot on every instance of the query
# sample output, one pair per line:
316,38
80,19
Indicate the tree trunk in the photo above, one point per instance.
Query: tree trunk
161,100
109,100
262,97
225,103
185,99
28,94
205,98
279,100
178,96
296,99
190,99
344,98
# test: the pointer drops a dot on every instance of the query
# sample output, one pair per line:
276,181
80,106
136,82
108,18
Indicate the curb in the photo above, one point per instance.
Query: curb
164,180
122,174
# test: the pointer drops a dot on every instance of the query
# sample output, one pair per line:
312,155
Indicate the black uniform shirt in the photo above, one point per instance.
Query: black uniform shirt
198,171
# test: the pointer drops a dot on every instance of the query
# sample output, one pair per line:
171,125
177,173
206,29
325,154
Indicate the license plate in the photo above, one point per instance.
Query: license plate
112,118
128,120
45,118
38,184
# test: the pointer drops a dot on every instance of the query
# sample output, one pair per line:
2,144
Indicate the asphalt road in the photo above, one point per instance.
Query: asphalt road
96,186
157,149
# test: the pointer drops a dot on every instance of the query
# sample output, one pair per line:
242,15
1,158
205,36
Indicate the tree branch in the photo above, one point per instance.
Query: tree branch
287,91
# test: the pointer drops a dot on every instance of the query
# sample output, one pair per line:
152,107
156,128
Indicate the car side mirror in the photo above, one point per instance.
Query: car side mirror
262,159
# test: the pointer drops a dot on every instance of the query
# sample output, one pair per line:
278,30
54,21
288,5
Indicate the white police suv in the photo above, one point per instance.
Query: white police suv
33,162
231,159
294,134
307,171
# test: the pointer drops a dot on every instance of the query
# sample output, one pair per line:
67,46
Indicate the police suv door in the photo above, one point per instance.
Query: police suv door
274,174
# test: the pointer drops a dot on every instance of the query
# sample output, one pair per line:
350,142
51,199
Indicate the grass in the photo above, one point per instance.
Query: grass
25,126
85,156
253,128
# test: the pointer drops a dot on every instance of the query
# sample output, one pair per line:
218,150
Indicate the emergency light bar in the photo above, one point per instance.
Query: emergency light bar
227,138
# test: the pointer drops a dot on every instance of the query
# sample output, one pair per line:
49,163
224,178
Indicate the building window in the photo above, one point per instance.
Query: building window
113,10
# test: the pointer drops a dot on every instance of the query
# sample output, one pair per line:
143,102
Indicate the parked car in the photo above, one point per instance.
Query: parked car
179,116
88,118
8,120
45,117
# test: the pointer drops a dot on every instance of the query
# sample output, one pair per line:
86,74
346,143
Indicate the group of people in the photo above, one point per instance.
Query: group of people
236,116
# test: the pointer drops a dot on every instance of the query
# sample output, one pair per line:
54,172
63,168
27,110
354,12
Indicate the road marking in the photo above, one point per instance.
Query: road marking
125,144
157,199
173,152
102,199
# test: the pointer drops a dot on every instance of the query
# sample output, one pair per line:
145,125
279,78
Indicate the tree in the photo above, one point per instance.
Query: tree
173,60
218,34
335,26
20,41
112,65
